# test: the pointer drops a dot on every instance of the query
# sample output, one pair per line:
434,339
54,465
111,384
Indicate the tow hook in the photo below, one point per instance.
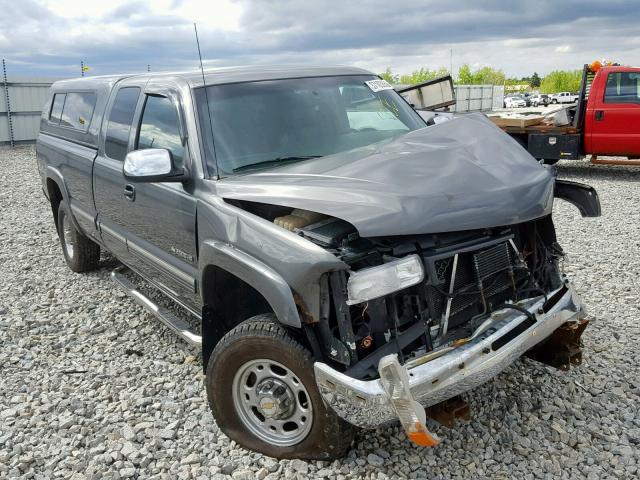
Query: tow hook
412,416
563,347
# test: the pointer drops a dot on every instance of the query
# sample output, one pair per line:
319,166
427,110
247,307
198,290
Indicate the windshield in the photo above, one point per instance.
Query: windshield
264,124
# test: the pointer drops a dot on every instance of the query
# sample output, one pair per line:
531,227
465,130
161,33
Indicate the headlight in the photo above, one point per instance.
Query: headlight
379,281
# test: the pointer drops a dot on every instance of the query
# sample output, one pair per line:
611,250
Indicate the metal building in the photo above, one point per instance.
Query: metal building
20,117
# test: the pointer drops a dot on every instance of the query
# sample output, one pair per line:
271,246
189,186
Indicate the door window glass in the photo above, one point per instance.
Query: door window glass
56,108
120,119
623,87
160,128
78,110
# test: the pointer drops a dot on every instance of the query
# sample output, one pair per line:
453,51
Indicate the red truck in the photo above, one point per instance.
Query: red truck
605,121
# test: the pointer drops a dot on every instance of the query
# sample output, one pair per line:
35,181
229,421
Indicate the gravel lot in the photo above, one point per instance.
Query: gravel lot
93,387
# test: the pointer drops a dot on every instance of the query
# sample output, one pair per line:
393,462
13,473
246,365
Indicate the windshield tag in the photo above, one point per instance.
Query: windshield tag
378,85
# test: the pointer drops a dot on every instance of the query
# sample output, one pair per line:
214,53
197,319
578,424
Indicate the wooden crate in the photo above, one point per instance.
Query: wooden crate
516,120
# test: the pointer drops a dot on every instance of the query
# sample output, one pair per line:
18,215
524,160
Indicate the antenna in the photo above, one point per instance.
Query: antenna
206,97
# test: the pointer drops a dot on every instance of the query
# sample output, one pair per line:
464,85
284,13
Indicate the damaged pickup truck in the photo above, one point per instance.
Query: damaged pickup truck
341,261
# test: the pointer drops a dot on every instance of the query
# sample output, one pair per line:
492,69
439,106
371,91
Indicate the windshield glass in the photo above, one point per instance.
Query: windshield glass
264,124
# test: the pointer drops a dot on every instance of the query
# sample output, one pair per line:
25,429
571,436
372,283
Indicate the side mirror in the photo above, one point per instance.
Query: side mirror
151,165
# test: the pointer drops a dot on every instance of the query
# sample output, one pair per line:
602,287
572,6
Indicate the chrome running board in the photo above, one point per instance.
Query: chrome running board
179,326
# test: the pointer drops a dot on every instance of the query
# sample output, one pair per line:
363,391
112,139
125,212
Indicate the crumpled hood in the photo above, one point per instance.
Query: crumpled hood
460,175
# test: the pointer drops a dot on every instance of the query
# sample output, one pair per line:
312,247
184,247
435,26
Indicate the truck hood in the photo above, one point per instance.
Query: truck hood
460,175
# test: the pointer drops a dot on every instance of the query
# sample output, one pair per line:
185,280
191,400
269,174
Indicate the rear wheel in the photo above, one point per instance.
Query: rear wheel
263,395
80,253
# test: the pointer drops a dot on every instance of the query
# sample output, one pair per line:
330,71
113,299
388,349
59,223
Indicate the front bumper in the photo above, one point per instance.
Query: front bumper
366,405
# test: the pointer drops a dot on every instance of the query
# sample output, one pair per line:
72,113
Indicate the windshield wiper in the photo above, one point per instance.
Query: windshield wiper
275,161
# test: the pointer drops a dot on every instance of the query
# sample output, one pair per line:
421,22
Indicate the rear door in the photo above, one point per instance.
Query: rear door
108,181
614,118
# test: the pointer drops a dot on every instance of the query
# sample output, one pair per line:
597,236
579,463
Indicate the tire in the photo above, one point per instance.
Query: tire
261,342
80,253
554,101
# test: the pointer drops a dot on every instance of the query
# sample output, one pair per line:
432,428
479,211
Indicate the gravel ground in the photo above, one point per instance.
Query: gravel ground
93,387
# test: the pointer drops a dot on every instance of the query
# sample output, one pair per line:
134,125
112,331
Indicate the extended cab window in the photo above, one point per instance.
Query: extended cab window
623,87
56,108
120,118
78,110
160,128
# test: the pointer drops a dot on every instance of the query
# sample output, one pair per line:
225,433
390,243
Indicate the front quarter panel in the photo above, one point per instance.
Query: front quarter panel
276,262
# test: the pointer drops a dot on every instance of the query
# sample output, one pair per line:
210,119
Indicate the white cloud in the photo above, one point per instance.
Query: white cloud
563,49
47,37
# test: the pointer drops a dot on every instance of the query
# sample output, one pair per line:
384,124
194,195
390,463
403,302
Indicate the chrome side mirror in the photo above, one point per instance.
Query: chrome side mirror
151,165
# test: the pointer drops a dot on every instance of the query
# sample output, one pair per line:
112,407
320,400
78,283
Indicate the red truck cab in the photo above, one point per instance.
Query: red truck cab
612,115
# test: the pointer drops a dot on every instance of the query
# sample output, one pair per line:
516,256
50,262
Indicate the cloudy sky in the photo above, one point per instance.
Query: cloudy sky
51,37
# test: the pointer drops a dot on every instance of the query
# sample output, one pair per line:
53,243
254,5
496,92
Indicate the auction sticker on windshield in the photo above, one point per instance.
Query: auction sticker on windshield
378,85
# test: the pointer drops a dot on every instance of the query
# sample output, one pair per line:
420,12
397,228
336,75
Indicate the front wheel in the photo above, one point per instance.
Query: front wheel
262,392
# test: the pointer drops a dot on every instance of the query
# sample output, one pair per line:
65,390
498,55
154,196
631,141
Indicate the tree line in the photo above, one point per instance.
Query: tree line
556,81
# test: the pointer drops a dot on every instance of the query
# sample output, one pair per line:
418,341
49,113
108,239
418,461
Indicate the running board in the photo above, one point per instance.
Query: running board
179,326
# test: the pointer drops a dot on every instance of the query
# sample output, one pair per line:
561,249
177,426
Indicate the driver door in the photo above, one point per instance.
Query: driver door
157,219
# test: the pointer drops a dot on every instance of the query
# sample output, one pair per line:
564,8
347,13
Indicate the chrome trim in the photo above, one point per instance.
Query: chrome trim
147,163
179,326
365,404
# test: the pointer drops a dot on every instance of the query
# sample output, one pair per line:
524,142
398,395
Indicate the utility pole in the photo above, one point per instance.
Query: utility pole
451,62
6,93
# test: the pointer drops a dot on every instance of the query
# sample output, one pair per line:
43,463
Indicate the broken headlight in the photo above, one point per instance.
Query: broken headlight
381,280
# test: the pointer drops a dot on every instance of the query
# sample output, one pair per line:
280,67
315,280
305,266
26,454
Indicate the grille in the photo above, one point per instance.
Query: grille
484,278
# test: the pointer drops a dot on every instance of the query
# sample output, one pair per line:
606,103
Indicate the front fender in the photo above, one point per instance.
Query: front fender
260,276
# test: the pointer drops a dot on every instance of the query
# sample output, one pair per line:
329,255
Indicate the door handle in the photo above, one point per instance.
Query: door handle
599,115
130,192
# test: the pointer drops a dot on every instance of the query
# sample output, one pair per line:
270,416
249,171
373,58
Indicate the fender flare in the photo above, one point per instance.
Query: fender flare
55,175
584,197
269,283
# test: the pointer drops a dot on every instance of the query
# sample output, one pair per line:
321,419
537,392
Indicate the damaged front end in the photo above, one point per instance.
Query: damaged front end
448,267
420,319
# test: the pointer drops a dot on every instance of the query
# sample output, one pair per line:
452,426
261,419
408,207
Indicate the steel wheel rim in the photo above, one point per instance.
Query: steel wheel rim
272,402
67,233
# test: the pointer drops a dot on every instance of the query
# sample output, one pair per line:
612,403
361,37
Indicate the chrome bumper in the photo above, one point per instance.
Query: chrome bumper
365,403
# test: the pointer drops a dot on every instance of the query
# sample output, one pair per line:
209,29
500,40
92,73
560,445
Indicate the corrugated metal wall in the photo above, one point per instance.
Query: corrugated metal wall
478,98
27,96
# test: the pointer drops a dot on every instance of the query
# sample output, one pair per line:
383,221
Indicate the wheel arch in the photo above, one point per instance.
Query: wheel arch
56,191
236,286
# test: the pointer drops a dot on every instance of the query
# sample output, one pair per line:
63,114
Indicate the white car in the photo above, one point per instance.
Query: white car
564,97
515,101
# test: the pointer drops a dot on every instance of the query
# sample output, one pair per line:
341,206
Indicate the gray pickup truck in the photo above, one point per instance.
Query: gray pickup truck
341,261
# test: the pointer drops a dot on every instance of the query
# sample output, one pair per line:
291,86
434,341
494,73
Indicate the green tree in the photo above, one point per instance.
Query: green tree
423,75
535,80
561,81
481,76
389,76
465,76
